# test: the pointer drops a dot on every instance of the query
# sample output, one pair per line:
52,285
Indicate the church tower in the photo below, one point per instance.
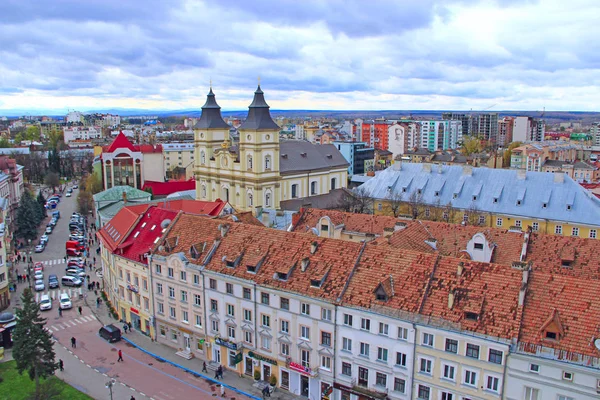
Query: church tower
259,155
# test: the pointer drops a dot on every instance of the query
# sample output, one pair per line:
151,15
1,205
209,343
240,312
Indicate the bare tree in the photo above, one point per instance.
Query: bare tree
436,211
473,213
415,204
395,203
448,213
364,203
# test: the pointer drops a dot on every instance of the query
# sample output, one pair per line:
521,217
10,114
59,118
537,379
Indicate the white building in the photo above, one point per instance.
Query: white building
110,120
403,136
440,135
75,117
76,133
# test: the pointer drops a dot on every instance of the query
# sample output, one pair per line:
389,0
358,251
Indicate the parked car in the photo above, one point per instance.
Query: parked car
53,281
52,223
110,333
39,285
65,301
70,190
68,194
75,186
45,302
73,263
76,272
48,230
56,215
39,248
73,253
38,275
71,281
44,238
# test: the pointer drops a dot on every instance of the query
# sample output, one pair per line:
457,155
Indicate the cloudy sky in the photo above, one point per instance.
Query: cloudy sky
309,54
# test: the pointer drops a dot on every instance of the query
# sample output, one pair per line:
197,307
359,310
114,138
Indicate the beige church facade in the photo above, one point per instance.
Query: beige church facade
259,171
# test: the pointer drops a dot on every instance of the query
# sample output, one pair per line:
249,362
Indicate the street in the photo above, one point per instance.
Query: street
93,363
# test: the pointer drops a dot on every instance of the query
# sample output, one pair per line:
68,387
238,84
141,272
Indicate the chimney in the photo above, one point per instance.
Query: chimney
559,177
521,174
440,168
426,167
525,276
432,242
398,226
460,269
313,247
124,198
304,264
397,165
451,300
467,170
387,232
224,228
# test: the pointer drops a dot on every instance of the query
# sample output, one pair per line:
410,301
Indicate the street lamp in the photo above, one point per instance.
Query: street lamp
109,385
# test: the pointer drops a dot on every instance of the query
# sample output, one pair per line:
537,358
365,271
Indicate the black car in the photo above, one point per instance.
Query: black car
53,282
110,333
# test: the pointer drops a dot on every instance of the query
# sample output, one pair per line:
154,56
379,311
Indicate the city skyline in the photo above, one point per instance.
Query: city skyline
409,55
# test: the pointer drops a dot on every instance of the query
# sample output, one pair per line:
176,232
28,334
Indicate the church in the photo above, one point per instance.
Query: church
259,170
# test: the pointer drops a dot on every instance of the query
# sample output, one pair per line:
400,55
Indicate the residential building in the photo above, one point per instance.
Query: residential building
533,156
75,117
553,203
299,132
110,120
440,135
5,248
51,126
403,136
355,153
12,186
505,131
124,163
579,171
486,126
375,133
110,201
260,171
80,133
467,122
595,133
179,160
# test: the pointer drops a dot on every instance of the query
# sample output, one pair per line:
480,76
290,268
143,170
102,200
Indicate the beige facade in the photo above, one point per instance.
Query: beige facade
179,156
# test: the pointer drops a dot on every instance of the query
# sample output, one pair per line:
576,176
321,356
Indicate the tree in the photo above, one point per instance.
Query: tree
471,144
4,143
33,350
415,203
93,184
395,203
28,217
508,154
41,201
56,139
363,203
85,201
52,179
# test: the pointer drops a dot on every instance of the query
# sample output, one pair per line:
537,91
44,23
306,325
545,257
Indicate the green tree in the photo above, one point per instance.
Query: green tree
19,137
28,217
32,133
33,351
471,144
93,184
508,153
4,143
84,202
52,179
41,202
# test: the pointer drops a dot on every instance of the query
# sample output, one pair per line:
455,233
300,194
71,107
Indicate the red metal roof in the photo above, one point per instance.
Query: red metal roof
211,208
166,188
114,232
121,142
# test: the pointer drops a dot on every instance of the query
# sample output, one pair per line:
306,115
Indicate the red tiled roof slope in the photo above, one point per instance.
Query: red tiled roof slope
365,223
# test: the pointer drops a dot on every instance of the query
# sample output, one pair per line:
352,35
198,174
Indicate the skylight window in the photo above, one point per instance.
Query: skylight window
156,240
136,234
153,226
144,224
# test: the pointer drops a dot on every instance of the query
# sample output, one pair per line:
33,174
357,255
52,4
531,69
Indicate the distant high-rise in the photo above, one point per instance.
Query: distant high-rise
595,132
485,124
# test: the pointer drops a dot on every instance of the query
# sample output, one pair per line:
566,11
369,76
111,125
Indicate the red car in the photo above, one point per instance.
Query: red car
38,265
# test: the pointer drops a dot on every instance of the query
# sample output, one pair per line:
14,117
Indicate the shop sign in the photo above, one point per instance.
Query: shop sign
134,310
360,394
261,358
238,358
300,368
226,343
326,390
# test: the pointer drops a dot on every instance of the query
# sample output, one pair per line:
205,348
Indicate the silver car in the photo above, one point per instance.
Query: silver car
39,285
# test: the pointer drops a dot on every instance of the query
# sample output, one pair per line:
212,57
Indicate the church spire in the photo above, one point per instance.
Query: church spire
259,116
211,114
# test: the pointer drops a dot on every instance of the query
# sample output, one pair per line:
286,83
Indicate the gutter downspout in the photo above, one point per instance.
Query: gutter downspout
151,288
412,372
255,328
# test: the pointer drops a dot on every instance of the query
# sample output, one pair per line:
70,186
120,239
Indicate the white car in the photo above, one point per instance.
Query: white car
45,302
38,275
44,238
39,285
39,248
65,301
48,230
76,272
68,194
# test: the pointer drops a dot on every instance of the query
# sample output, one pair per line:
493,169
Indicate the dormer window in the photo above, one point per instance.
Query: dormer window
251,268
324,227
474,198
437,194
419,191
315,283
566,263
551,335
495,200
569,208
230,263
518,202
403,190
544,205
471,316
478,246
282,276
455,196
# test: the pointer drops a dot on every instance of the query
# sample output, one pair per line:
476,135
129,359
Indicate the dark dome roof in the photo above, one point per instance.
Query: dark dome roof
211,115
259,116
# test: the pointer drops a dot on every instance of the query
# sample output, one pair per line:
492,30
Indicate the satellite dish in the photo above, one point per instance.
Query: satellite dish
597,343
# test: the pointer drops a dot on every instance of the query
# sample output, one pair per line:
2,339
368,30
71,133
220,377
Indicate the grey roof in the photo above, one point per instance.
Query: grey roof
583,165
300,156
447,157
565,199
259,117
327,201
556,163
211,115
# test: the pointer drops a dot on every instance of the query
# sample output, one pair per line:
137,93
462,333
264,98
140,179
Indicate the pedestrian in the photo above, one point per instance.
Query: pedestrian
18,279
61,365
222,390
27,277
220,369
73,342
59,312
98,302
129,325
132,398
217,373
204,367
80,310
125,327
120,356
94,260
265,391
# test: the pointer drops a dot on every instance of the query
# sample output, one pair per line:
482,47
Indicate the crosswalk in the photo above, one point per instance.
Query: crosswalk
69,323
73,293
53,262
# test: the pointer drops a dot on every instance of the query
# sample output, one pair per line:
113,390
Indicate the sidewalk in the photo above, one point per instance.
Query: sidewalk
245,385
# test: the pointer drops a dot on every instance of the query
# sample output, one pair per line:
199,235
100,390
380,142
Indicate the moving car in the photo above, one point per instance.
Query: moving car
70,190
65,301
39,248
71,281
110,333
68,194
45,302
53,281
39,285
48,230
75,186
39,265
73,253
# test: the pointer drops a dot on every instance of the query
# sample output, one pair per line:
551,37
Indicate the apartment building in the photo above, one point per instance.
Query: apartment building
505,131
403,136
375,133
179,156
440,135
533,156
80,133
356,154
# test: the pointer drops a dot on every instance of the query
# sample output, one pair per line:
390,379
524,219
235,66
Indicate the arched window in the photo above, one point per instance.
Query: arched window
333,182
268,199
249,162
268,163
203,191
313,188
250,202
202,157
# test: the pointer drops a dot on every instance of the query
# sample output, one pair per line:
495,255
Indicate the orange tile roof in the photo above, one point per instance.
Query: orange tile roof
573,301
489,291
115,231
365,223
243,217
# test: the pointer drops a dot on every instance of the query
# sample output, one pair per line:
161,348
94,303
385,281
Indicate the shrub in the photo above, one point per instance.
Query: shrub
273,380
257,375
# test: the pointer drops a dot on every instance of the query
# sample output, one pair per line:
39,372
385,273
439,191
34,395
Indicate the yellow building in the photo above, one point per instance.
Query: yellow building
259,171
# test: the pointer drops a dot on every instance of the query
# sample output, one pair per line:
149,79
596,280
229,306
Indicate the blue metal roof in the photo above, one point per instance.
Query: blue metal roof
516,192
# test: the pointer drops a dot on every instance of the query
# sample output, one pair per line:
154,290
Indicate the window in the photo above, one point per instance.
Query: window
449,372
267,199
305,308
363,376
294,191
313,188
492,383
185,317
268,163
399,385
380,379
470,378
159,288
284,303
452,346
172,313
575,231
563,397
266,320
383,328
202,157
214,305
326,362
128,276
447,396
531,393
495,356
535,368
498,221
170,273
285,326
304,332
265,342
427,339
229,288
535,226
346,369
215,326
196,279
558,230
365,324
145,284
332,183
382,354
249,162
346,344
248,337
305,358
183,275
402,333
325,314
158,269
424,392
230,310
326,338
592,234
161,308
567,376
184,296
401,359
472,351
198,321
364,349
231,332
212,283
425,366
264,298
465,217
250,199
197,301
348,319
518,223
171,292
